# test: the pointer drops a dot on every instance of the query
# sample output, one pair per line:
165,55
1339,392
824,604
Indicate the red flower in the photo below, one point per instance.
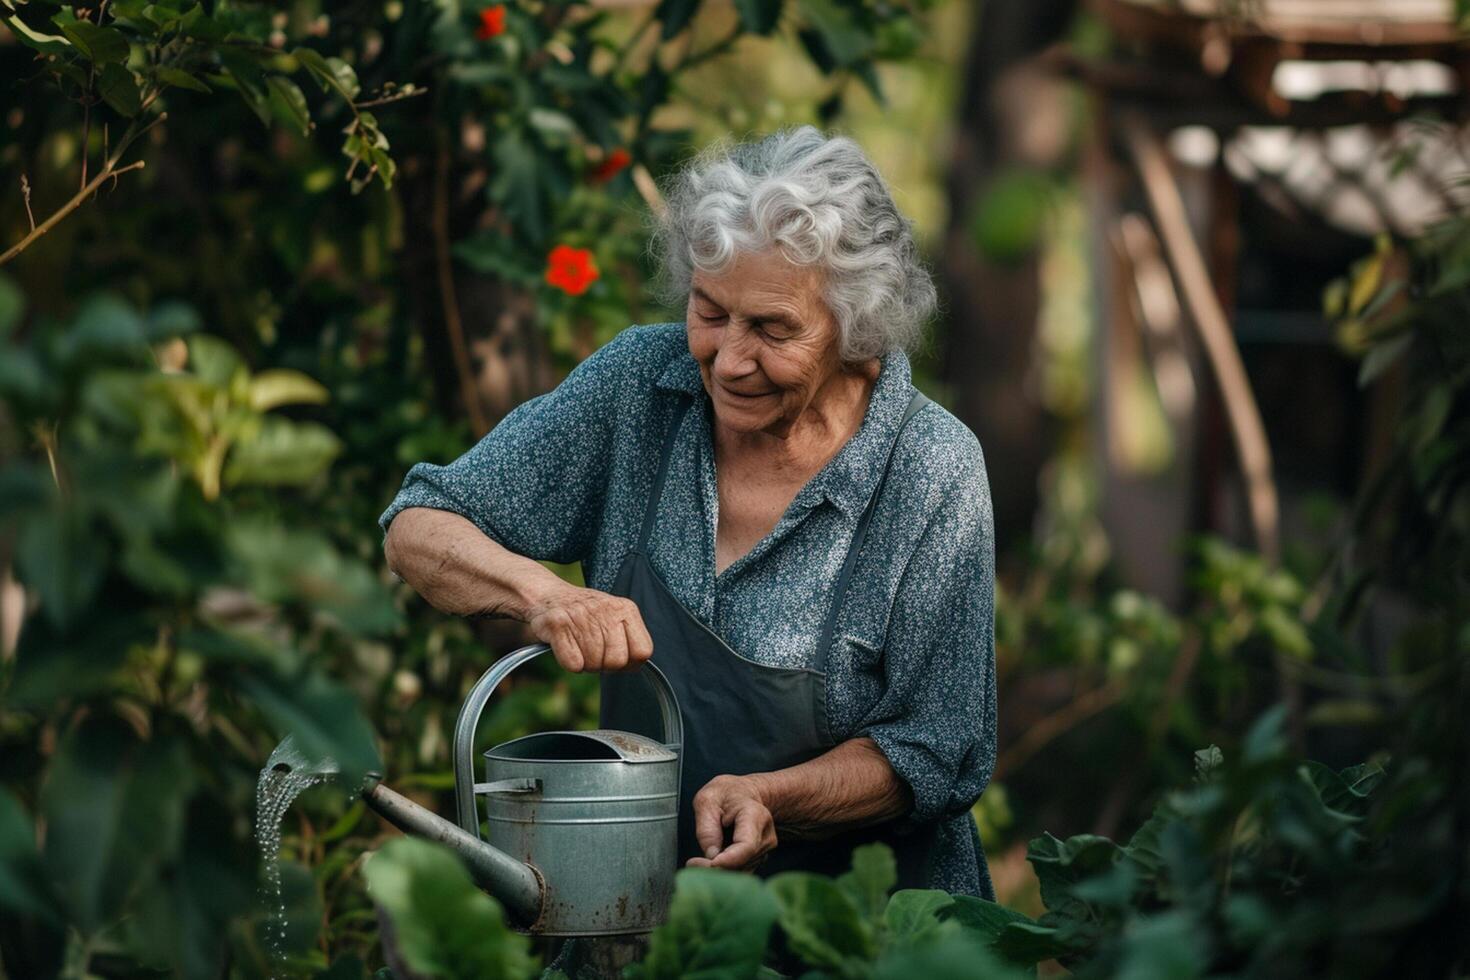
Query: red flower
570,269
610,165
492,22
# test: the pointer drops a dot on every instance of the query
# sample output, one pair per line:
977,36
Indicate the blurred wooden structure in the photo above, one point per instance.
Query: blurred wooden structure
1243,153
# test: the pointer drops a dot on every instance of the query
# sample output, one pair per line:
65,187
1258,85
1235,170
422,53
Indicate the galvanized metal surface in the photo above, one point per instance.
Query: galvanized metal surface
594,813
518,886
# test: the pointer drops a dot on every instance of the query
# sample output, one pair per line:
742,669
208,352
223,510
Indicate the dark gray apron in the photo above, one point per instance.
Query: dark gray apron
741,716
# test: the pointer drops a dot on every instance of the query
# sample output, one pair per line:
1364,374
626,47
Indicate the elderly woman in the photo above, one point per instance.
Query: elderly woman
763,503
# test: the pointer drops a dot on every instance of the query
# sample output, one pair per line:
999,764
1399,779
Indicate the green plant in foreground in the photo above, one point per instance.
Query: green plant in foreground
1266,866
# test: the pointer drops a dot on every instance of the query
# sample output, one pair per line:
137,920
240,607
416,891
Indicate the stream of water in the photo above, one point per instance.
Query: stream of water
287,774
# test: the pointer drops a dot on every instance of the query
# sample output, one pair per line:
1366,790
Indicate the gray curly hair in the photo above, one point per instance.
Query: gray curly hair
821,201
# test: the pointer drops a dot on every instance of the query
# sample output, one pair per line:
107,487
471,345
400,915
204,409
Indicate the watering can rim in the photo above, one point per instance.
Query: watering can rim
629,746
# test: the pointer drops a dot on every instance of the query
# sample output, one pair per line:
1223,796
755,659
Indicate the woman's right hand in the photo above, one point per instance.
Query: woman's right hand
590,630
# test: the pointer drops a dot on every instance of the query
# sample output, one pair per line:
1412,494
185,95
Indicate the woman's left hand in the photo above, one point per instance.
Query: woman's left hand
732,801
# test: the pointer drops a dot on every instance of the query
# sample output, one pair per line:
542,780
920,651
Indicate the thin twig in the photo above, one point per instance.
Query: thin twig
25,192
1057,723
396,97
109,169
446,289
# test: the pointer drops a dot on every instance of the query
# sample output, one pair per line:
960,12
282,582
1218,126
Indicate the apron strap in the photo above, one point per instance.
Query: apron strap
663,472
839,591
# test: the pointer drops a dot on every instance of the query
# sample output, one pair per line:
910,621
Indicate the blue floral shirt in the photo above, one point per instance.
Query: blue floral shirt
566,475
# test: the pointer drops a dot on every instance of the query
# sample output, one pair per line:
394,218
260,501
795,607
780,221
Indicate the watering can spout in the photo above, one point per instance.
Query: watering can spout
518,886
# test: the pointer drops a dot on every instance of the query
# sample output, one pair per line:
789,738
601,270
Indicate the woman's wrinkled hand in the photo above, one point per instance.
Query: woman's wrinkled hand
732,802
590,630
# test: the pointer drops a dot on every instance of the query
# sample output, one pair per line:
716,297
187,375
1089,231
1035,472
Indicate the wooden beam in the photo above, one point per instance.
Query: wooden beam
1247,430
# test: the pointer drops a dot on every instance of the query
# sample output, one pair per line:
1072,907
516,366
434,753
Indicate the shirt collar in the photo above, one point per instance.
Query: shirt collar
850,477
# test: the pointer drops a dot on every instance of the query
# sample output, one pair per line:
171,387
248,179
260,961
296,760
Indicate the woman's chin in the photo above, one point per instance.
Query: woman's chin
745,417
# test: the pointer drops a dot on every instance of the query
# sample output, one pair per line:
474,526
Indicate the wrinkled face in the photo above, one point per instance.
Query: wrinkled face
764,340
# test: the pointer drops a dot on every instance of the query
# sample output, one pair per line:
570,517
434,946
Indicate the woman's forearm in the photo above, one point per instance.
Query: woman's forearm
850,785
459,569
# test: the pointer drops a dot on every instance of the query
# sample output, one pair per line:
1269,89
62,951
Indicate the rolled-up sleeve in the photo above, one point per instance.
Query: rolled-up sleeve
536,483
936,721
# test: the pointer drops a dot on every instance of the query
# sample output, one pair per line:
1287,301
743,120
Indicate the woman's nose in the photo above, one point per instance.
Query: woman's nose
734,356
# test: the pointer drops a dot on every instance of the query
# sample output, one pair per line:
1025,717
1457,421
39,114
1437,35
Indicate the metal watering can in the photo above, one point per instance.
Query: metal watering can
583,826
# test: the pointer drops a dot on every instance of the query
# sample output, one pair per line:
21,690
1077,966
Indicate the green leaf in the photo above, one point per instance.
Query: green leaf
282,453
119,89
873,875
912,915
1206,761
179,78
1061,864
23,885
955,957
674,16
280,564
822,923
718,928
276,387
249,80
1030,942
846,42
100,45
114,811
289,103
443,926
213,360
61,557
325,718
759,16
34,39
984,921
1347,791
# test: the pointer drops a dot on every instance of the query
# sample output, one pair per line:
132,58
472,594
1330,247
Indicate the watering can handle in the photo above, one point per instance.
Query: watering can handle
474,707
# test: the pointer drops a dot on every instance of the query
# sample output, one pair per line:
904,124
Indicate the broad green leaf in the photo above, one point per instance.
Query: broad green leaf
717,929
1061,864
60,556
34,39
759,16
1171,945
1347,791
1030,942
983,920
912,915
282,453
23,885
443,926
181,79
100,45
324,716
293,565
114,811
822,923
276,387
954,957
119,89
289,103
845,40
674,16
213,360
873,875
